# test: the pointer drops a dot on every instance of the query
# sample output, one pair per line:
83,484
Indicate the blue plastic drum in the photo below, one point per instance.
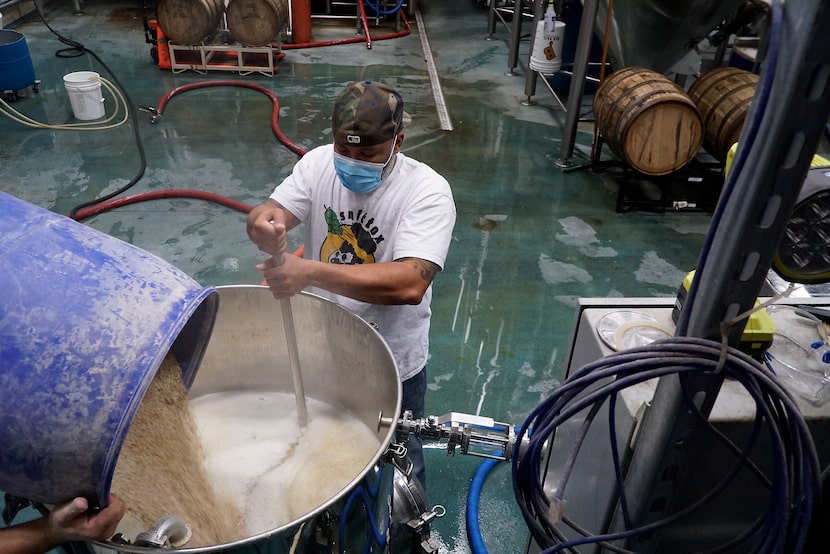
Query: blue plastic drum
85,322
16,70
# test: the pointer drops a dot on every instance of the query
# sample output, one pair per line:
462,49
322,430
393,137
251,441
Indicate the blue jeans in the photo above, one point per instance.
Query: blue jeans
414,392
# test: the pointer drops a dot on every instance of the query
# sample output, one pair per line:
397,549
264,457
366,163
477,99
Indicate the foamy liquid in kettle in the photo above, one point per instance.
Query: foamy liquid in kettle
232,464
257,454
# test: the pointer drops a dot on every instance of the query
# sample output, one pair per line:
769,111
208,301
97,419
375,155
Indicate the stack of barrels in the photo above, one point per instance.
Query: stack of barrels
656,127
250,22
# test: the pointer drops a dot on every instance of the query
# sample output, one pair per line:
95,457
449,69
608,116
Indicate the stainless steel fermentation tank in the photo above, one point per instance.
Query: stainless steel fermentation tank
656,34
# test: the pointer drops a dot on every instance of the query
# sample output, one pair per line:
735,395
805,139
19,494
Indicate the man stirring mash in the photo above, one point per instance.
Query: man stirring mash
377,230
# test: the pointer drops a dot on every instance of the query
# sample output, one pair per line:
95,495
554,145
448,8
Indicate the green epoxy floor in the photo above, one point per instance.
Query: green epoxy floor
504,305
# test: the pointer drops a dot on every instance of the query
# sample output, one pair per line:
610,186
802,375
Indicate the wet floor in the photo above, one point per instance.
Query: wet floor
529,240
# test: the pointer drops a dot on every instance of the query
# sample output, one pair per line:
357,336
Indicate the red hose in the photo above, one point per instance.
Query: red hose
102,207
369,38
275,117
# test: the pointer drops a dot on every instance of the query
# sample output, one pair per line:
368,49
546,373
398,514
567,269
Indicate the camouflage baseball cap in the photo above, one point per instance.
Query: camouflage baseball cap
367,113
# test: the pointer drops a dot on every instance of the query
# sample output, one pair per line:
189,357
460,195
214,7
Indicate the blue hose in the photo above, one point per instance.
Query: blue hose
379,11
473,495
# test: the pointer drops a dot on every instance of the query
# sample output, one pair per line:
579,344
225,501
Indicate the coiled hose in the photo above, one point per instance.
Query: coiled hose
97,125
794,484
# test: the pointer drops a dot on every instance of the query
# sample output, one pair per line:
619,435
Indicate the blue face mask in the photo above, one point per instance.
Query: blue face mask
360,176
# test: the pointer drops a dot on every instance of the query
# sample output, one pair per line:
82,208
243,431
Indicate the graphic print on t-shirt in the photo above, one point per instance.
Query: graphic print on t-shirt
351,238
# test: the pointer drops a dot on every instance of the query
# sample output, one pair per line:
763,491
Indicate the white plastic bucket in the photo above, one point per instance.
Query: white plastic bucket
84,88
546,57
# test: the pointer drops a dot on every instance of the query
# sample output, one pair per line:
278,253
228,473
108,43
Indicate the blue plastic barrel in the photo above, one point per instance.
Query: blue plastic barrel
16,70
85,322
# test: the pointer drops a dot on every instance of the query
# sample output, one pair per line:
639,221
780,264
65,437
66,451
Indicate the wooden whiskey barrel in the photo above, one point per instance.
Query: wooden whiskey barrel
723,95
647,120
189,21
257,22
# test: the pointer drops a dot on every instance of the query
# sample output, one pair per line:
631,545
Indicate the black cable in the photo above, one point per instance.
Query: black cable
794,482
76,49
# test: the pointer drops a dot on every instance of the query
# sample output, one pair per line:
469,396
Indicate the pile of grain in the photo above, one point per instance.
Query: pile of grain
160,470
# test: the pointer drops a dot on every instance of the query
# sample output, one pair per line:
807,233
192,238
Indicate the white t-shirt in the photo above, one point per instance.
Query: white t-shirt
410,215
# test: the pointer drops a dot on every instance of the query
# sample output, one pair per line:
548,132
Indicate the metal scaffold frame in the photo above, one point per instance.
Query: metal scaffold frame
245,60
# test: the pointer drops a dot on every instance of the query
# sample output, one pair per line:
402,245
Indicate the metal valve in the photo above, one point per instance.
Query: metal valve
155,115
474,435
